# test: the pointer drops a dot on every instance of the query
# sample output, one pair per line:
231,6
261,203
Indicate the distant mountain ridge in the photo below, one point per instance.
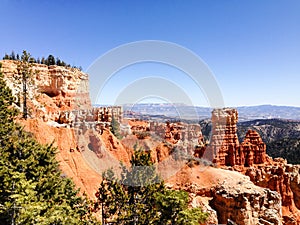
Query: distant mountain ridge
246,113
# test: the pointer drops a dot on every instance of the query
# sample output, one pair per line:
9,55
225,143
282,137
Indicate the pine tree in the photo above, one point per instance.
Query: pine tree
115,127
32,60
43,60
58,62
174,209
24,76
6,56
13,56
51,60
131,199
32,189
140,197
63,63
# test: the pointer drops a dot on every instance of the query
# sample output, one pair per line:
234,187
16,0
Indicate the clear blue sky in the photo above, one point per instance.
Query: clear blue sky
252,47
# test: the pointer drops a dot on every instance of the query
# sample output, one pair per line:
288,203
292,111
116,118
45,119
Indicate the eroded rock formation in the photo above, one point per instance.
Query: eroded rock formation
253,148
224,145
229,196
250,158
284,179
246,204
70,154
225,149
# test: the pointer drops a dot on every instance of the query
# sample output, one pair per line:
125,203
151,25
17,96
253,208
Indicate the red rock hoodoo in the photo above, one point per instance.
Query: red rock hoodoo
253,148
225,149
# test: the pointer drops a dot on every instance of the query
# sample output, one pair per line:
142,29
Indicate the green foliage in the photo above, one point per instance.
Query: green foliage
287,148
142,134
24,76
115,128
50,60
33,190
140,197
174,209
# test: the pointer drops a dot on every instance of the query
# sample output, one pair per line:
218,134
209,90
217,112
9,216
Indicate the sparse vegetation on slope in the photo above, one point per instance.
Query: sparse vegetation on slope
33,190
139,197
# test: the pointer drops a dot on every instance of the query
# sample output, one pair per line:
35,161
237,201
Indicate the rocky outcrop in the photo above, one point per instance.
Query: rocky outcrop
224,144
173,132
284,179
169,136
106,114
246,204
228,196
138,126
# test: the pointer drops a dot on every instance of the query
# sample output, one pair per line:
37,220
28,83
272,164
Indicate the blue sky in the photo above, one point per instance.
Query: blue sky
252,47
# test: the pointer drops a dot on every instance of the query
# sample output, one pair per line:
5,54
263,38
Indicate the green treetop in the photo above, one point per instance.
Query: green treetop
141,198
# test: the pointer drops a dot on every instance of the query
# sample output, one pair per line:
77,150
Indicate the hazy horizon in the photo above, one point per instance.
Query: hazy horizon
203,106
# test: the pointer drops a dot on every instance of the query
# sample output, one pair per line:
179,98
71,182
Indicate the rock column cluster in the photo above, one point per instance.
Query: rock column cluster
225,149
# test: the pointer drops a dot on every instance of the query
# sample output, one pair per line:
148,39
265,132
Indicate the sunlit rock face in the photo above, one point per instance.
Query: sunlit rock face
51,89
225,149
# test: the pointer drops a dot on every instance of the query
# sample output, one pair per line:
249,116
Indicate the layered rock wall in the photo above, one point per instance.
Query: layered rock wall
285,180
51,89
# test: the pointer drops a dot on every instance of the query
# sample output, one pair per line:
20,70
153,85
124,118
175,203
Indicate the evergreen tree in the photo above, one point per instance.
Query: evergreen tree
32,189
43,60
131,199
50,60
24,76
58,62
13,56
32,60
174,209
140,197
6,56
115,127
63,63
